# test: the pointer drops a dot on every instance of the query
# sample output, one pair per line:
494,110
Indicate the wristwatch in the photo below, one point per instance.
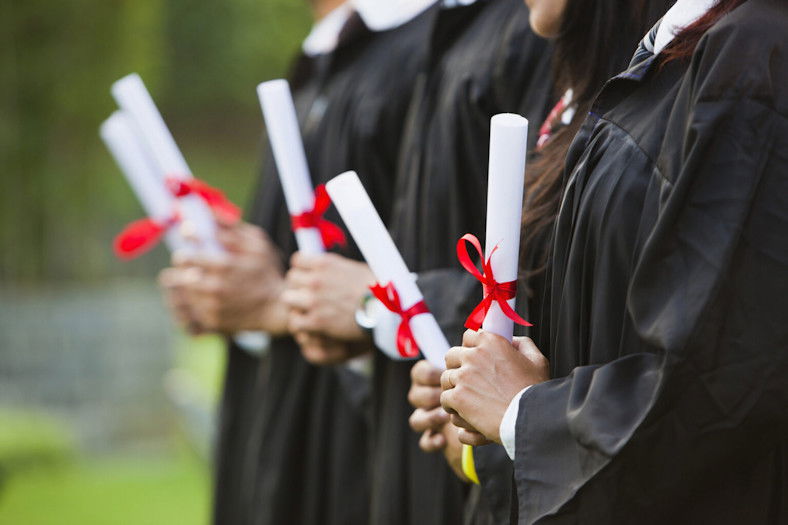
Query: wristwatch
365,319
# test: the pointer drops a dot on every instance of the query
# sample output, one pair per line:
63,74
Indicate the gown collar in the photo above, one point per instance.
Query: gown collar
324,36
382,15
682,14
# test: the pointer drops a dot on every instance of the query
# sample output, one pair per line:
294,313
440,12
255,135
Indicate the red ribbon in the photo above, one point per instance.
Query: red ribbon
141,236
330,233
214,198
546,131
493,290
388,295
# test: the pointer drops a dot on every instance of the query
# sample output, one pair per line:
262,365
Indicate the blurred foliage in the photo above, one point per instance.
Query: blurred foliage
61,197
31,440
116,491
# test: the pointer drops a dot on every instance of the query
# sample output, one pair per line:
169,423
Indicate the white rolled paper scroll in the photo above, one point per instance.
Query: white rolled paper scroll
133,98
281,123
508,148
385,261
140,172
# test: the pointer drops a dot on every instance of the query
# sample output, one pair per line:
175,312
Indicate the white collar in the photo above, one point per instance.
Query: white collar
449,4
682,14
381,15
324,36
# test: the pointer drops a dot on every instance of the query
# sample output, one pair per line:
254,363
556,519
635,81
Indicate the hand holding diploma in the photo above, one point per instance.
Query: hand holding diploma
396,286
323,293
240,291
487,374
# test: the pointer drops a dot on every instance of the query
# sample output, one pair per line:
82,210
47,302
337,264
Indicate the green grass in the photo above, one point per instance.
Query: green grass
110,492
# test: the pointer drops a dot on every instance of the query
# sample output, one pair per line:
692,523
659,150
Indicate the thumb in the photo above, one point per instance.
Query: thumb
529,350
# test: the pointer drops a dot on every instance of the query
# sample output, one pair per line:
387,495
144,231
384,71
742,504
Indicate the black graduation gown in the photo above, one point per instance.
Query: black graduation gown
306,459
246,374
483,60
668,296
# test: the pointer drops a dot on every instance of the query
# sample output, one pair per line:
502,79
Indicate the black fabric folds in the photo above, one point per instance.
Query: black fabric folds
296,451
483,59
668,293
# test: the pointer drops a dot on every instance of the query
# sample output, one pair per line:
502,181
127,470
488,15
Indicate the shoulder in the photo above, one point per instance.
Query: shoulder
745,55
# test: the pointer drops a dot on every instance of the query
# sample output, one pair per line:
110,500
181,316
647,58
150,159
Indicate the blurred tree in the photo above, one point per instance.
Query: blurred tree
61,199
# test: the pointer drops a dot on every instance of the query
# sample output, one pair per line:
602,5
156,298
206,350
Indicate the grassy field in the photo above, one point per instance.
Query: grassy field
117,491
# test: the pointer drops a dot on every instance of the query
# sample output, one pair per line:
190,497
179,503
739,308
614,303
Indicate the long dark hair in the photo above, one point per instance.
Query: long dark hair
596,41
683,46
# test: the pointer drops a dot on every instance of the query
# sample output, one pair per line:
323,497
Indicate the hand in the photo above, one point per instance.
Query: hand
481,379
173,284
429,418
323,351
323,293
240,290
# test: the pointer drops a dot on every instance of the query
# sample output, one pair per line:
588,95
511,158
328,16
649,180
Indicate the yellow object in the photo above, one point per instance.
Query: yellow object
468,465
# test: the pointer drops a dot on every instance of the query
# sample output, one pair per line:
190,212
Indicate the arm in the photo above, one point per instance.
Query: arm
708,299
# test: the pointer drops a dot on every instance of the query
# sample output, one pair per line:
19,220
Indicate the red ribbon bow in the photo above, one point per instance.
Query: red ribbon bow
493,290
330,233
141,236
388,295
214,198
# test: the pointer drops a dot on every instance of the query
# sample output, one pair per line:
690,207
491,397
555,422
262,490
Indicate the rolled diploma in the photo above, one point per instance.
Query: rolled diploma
133,98
281,123
384,260
508,147
136,166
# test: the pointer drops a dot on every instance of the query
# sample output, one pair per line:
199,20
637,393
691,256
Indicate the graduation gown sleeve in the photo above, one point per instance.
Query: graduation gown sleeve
703,399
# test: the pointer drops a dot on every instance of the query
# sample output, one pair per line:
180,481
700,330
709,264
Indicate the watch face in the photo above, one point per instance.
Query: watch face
364,319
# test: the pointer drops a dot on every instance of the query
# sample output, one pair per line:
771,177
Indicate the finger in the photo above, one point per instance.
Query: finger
454,357
432,442
298,278
474,439
304,261
188,231
298,299
459,422
448,378
214,265
424,373
231,238
421,420
190,277
245,238
448,399
223,219
168,278
527,348
302,338
182,259
427,397
303,322
471,338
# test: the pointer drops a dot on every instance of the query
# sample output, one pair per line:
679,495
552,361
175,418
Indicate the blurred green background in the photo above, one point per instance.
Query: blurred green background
106,410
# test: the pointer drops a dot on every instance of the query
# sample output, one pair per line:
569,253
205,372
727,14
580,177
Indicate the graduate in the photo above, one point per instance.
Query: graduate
590,48
483,59
293,436
665,398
